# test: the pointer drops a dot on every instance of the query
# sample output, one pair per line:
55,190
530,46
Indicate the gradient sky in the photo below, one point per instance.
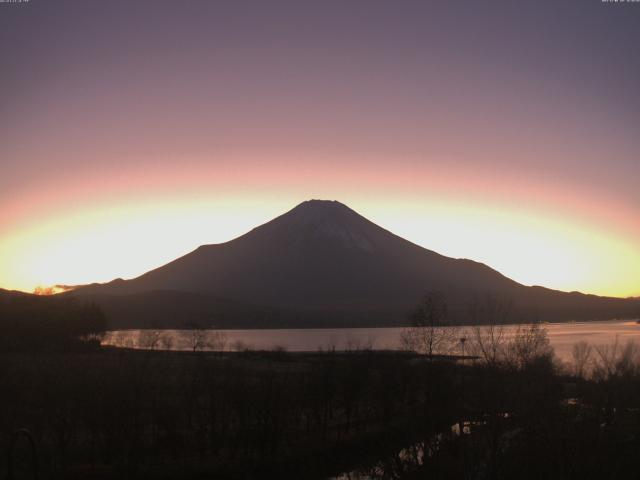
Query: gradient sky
506,132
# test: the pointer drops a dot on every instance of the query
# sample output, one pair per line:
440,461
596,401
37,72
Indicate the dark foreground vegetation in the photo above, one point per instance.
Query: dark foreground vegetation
149,414
71,409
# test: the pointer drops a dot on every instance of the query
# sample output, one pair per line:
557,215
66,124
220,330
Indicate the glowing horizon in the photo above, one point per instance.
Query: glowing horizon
101,242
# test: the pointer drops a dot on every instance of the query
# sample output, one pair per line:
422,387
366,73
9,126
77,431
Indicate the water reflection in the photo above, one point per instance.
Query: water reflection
562,337
410,458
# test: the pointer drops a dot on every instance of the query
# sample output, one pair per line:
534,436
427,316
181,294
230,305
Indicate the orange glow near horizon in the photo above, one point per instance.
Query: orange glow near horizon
554,244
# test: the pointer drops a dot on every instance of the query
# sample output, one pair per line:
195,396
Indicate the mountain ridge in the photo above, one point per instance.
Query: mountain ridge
329,264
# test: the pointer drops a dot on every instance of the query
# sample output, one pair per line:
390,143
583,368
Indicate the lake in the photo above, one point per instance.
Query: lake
562,337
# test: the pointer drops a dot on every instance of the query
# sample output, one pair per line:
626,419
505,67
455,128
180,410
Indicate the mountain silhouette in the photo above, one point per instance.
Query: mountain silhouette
321,263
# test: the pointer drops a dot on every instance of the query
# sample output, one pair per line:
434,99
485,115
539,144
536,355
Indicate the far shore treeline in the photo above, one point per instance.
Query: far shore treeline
39,323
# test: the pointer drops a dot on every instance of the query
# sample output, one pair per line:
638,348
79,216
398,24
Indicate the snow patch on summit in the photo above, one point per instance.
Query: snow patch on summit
330,220
349,237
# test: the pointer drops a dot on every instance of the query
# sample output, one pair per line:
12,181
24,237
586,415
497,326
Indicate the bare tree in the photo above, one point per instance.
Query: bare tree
197,339
166,341
218,340
529,343
120,339
581,354
488,336
616,360
430,333
605,361
240,346
628,362
149,339
355,344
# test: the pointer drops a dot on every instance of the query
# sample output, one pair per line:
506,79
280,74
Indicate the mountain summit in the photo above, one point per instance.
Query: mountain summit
324,220
321,263
321,224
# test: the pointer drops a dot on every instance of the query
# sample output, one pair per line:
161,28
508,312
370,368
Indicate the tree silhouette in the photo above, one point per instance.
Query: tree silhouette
430,332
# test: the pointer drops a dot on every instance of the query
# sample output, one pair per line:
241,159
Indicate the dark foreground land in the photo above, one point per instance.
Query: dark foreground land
136,414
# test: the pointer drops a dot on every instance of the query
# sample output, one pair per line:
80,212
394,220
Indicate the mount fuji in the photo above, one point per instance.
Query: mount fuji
323,264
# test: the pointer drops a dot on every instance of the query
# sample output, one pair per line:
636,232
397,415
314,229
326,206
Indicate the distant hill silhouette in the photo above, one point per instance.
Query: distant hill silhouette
322,264
47,322
6,294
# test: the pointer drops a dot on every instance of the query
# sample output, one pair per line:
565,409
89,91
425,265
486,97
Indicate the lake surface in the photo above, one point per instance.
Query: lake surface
562,337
